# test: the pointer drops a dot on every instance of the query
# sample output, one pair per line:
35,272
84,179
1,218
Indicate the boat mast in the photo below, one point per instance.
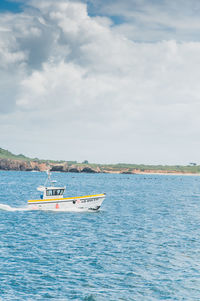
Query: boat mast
48,180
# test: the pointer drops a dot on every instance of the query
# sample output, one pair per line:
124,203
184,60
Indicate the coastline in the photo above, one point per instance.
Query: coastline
169,173
172,173
131,169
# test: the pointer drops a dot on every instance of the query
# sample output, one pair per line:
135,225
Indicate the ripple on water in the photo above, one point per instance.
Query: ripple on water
143,245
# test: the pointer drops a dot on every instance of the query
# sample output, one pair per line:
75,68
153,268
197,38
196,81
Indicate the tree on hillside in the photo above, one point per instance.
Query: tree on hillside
85,162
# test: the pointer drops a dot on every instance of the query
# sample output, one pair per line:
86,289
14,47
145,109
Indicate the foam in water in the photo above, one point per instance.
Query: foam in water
13,209
9,208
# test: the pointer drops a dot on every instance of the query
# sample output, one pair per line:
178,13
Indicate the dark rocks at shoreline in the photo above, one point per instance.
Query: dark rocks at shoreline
20,165
73,169
59,167
9,164
88,169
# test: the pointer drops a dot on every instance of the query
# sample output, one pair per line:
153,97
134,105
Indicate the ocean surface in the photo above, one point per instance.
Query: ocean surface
144,243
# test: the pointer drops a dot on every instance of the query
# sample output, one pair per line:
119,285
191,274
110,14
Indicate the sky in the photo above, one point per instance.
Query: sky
106,81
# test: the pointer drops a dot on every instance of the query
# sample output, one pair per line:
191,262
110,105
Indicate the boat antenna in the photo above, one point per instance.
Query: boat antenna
48,180
48,177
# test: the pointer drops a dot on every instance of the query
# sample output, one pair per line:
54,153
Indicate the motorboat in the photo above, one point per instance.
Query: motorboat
51,198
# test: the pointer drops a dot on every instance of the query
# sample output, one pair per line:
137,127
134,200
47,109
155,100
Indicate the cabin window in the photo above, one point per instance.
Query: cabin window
55,192
49,192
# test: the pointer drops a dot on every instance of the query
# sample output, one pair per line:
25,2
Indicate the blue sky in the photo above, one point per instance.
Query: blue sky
10,6
154,20
103,81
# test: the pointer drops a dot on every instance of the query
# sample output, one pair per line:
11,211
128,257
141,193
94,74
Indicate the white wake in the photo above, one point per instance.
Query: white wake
5,207
9,208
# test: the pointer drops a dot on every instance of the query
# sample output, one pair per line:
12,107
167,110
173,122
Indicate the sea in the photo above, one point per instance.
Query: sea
143,244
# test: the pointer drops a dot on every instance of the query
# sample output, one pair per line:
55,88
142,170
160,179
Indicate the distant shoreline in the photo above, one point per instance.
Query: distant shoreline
10,161
114,172
172,173
169,173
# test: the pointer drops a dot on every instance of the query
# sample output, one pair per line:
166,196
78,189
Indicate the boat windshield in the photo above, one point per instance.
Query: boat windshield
50,192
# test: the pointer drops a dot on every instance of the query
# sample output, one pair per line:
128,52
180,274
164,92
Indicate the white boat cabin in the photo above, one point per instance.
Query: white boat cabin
51,192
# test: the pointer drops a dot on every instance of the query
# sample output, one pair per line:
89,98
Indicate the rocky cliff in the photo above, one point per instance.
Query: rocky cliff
10,164
31,165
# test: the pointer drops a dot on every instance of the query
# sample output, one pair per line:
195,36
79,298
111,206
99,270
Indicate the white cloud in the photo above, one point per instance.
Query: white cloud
102,97
144,20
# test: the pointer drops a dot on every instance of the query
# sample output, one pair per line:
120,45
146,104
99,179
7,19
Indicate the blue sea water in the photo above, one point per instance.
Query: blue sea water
144,243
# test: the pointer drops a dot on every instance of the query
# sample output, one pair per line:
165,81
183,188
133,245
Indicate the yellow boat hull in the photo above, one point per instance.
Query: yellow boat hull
82,203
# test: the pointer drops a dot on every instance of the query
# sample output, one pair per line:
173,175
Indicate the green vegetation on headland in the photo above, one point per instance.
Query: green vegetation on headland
143,167
5,154
10,161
